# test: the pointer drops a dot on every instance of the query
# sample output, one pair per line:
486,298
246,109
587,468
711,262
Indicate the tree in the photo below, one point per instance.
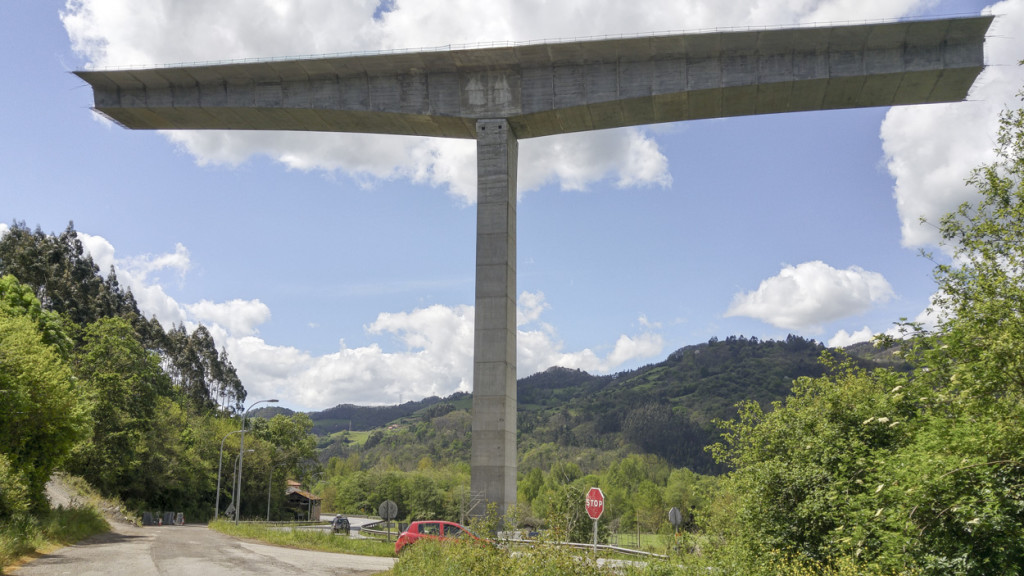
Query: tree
124,380
63,275
42,411
900,472
53,327
966,464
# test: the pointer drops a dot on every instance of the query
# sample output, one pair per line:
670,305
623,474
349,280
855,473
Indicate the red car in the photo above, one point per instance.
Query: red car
432,529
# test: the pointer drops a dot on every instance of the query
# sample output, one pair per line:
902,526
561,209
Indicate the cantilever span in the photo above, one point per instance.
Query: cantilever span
545,89
500,95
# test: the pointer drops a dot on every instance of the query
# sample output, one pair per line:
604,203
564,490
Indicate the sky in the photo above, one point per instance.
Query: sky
339,268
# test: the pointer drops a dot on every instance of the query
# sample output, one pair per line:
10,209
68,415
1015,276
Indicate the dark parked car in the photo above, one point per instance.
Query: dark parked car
340,524
434,530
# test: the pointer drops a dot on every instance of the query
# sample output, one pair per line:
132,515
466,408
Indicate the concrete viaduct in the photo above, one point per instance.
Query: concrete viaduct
499,95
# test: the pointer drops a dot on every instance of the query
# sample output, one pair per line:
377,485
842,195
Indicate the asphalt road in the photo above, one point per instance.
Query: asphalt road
191,551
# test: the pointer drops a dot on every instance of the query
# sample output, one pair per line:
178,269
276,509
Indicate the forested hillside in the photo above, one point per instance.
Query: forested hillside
668,409
90,386
67,282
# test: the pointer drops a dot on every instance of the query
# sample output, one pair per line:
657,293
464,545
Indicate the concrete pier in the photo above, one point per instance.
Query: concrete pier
499,95
493,456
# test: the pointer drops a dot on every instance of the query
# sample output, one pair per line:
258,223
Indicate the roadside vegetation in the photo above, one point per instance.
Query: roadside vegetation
23,534
323,541
26,535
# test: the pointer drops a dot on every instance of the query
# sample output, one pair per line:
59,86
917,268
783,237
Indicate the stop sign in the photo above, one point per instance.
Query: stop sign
595,503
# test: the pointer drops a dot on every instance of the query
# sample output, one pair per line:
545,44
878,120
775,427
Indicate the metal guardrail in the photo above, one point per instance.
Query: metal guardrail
518,43
580,546
371,530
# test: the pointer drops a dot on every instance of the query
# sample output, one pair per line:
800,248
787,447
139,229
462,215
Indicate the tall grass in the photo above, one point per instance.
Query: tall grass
323,541
470,558
24,534
466,558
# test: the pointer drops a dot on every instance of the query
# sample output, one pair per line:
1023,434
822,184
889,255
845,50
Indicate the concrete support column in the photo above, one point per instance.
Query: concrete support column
493,458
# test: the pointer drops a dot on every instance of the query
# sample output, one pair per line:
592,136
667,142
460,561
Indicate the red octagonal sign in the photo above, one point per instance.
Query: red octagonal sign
595,503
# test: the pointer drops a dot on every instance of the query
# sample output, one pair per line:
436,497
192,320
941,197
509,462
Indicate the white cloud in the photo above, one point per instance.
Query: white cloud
137,273
435,358
928,319
805,296
433,346
930,150
844,338
238,317
529,307
111,33
101,251
4,229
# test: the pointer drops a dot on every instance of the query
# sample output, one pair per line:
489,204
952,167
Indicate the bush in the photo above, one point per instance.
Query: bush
13,495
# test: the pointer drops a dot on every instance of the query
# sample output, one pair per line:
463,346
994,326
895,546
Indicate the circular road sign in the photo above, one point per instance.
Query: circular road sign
388,510
595,503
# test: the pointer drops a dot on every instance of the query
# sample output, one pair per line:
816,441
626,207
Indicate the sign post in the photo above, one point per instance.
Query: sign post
388,511
595,507
675,517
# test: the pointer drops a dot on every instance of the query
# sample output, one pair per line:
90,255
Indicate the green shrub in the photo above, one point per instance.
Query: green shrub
13,495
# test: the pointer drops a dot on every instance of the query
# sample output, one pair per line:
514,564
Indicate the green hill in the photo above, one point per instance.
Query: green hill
667,409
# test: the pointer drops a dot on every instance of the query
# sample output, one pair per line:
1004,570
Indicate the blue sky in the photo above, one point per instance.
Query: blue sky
339,268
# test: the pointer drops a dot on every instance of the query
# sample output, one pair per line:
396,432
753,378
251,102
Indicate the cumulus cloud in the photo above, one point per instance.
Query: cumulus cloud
113,33
844,338
141,275
427,351
805,296
238,317
930,150
434,357
927,319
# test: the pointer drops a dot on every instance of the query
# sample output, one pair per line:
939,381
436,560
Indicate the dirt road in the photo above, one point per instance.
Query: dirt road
191,551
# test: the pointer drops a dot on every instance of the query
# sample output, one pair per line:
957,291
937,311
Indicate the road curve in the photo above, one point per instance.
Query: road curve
191,551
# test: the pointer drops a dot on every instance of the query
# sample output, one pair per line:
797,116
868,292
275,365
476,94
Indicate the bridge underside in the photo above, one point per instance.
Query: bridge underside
500,95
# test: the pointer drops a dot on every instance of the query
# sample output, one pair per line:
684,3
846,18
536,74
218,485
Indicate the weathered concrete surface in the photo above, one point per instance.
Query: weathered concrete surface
544,89
493,457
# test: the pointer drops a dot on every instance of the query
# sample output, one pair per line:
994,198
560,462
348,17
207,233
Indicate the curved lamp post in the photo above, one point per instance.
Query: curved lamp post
241,450
220,467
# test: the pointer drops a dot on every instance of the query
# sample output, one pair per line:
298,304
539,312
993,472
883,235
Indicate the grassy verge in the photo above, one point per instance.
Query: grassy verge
25,534
467,558
305,539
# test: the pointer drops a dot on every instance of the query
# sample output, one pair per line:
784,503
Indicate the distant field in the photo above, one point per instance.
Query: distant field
356,437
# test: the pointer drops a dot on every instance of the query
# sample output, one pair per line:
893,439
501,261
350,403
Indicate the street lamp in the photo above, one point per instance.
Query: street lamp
220,463
241,448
